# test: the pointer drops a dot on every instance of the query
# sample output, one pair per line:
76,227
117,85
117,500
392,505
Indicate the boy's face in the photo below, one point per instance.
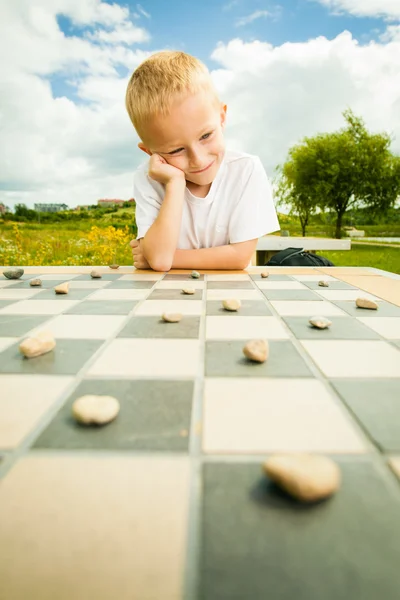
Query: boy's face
190,138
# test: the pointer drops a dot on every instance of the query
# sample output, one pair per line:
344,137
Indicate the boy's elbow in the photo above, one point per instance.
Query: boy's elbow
160,265
243,262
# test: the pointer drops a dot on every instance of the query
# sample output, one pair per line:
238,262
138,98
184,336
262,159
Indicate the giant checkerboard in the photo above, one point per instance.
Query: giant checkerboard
168,502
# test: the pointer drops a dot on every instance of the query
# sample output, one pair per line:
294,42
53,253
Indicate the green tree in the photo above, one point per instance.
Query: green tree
348,169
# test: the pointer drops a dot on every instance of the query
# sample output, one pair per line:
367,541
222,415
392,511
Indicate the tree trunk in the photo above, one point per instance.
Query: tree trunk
304,223
338,233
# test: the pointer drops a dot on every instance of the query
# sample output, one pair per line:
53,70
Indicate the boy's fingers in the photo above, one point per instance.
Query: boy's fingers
134,243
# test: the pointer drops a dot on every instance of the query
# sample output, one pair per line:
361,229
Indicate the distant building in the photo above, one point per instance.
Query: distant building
3,208
113,202
50,208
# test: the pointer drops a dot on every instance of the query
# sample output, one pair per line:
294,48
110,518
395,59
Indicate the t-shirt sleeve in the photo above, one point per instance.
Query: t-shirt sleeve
254,214
148,196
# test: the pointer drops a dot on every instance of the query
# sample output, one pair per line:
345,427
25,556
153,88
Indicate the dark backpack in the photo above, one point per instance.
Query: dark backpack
296,257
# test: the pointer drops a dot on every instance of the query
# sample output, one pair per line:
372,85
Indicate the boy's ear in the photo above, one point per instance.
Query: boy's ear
143,147
223,114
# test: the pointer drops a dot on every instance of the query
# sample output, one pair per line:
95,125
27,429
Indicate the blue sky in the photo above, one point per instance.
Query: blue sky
196,27
286,69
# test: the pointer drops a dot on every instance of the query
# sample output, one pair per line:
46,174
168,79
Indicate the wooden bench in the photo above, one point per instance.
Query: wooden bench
269,245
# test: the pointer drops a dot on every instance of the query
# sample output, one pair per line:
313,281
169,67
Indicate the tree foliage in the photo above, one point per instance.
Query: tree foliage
347,169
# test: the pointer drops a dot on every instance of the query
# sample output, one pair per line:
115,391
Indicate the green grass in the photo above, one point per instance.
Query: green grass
379,257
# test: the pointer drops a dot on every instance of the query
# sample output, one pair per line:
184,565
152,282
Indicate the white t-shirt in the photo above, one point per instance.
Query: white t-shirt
238,207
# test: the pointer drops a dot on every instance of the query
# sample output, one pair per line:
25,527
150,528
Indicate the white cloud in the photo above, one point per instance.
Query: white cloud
278,95
365,8
79,148
258,14
143,12
125,33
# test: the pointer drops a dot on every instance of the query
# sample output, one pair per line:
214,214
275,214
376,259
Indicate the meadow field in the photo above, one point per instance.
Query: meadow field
87,243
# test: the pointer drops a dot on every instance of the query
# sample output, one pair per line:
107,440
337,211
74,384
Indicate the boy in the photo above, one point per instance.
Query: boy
197,205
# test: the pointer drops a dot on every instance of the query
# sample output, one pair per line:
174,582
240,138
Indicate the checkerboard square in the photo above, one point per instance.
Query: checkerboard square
84,327
305,418
244,328
68,357
385,309
344,295
376,404
226,359
154,416
251,308
175,294
107,307
230,285
287,308
155,327
259,544
233,293
387,327
17,325
24,401
290,295
103,509
158,307
352,358
157,358
14,293
119,294
342,328
38,307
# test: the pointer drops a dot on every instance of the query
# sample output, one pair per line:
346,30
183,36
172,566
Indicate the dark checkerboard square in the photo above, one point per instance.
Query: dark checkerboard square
249,308
4,303
67,358
376,404
333,285
226,359
258,544
126,284
154,327
18,325
166,294
46,283
257,277
104,276
181,277
73,294
385,309
230,285
290,295
154,416
103,307
342,328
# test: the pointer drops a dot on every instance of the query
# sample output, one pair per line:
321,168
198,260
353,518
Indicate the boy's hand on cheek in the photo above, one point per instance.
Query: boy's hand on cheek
161,171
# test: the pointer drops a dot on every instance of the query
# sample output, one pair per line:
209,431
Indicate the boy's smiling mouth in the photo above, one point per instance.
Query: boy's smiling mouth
202,170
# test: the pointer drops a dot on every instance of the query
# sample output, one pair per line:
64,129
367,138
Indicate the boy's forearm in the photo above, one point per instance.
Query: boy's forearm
220,257
159,243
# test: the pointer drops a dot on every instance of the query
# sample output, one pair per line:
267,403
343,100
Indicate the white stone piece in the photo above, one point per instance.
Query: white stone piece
95,274
98,410
256,350
366,303
172,317
189,291
39,344
320,322
264,274
62,288
232,304
323,283
35,282
307,478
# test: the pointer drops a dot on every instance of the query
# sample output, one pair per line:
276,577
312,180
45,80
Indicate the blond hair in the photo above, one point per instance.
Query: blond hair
161,78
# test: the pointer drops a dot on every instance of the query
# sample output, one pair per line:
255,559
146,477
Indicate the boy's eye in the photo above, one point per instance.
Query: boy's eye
203,137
